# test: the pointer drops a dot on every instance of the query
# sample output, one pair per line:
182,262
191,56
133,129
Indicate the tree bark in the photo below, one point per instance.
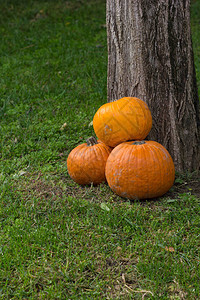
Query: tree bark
150,56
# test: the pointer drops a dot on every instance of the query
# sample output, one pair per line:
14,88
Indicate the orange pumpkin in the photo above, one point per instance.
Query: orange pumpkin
140,170
125,119
111,148
86,163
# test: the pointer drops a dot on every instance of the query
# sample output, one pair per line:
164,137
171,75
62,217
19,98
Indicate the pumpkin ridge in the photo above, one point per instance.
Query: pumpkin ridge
124,154
77,154
84,165
164,169
143,133
153,152
94,154
142,110
131,106
105,120
157,148
147,116
137,116
111,166
140,154
101,147
129,162
136,156
147,173
131,155
167,162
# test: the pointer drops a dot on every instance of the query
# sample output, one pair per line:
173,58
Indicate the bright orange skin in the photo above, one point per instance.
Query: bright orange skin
86,164
125,119
140,171
111,148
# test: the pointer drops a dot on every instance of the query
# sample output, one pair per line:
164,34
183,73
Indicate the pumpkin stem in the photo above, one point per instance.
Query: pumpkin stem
139,143
91,141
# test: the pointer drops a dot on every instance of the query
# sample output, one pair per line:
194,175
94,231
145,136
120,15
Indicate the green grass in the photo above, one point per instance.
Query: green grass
59,240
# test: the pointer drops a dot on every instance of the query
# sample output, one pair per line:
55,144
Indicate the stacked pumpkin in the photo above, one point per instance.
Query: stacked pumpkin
134,168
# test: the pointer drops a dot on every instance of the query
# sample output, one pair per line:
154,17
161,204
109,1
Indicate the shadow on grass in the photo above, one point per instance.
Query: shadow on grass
62,186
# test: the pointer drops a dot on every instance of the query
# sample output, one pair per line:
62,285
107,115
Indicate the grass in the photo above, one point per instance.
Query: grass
59,240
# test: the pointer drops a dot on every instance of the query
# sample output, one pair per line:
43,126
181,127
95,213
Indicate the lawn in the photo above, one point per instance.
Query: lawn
59,240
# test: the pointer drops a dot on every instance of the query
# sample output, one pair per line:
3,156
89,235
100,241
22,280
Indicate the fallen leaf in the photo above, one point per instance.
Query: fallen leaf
63,126
170,249
105,207
20,173
90,124
123,278
119,248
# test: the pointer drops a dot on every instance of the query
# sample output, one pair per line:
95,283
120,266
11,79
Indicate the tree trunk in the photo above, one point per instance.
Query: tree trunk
150,56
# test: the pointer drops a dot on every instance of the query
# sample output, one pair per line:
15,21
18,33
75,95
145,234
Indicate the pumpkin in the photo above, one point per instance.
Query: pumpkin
111,148
125,119
140,170
86,163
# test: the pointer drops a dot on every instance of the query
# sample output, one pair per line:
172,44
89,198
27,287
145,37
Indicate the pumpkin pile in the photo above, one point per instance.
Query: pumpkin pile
134,168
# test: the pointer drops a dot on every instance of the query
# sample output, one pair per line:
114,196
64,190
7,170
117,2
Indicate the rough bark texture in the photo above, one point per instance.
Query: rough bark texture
150,56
